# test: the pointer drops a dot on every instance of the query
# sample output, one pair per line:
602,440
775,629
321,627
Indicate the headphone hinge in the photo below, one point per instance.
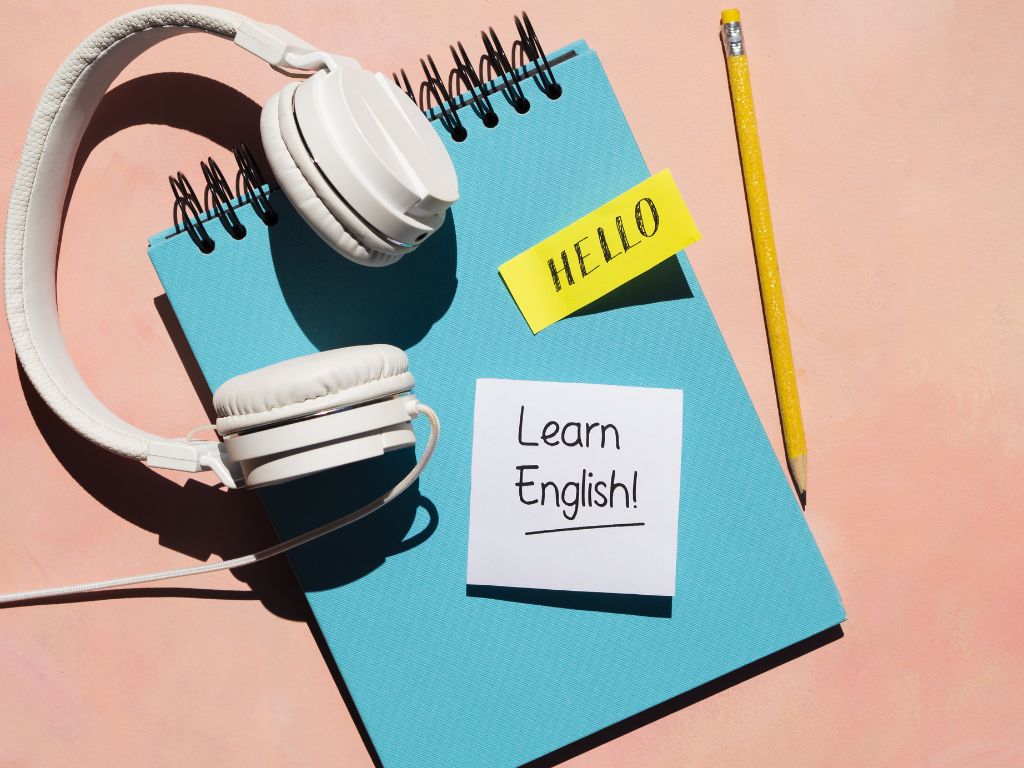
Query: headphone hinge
279,47
194,456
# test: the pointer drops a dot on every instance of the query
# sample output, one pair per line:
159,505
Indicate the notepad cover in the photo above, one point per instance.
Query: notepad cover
440,677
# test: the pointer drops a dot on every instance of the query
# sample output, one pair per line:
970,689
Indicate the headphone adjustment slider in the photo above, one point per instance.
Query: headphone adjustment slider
280,48
193,456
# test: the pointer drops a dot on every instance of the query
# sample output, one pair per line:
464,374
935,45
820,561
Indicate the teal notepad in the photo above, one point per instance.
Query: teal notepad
442,677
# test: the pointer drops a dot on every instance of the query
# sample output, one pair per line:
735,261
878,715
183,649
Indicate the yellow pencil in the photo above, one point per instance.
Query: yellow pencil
764,250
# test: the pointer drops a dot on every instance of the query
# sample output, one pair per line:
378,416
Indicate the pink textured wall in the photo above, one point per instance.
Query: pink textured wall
892,137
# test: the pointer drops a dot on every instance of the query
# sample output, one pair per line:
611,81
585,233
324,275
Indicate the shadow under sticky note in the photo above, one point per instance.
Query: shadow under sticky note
636,605
662,282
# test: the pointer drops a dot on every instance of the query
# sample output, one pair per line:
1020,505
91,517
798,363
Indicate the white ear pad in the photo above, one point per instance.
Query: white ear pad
312,413
306,385
309,202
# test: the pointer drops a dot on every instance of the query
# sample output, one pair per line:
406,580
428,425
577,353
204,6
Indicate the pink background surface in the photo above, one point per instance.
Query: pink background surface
892,137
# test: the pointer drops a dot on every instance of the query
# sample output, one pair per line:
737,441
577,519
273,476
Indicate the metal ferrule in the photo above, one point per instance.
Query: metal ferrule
732,39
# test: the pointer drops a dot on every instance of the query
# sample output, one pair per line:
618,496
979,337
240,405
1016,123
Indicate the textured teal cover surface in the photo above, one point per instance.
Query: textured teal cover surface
442,678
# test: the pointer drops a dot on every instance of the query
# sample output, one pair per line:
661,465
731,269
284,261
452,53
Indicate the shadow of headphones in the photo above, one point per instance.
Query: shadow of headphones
361,165
357,160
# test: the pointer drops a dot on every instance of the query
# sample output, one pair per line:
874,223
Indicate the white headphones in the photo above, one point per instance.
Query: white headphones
356,159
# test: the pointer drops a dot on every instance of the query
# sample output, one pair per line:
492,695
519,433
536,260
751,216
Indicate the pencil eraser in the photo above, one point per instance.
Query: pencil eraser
731,15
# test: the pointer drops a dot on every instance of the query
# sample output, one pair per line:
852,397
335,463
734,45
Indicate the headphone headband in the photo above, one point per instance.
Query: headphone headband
286,420
39,194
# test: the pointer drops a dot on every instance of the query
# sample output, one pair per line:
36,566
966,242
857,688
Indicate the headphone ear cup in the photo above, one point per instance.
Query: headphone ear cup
309,193
315,412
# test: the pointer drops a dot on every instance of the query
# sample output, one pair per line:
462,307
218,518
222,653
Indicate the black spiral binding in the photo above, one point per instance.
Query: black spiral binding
188,212
441,98
192,215
250,179
529,44
218,198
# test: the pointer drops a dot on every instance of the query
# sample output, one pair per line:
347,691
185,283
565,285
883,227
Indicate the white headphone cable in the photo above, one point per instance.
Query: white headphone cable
277,549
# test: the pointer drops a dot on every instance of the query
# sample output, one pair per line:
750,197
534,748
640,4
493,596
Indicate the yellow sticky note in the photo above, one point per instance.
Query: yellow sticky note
601,251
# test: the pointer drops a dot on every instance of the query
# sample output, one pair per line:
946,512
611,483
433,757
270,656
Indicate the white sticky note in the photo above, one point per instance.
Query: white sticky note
575,487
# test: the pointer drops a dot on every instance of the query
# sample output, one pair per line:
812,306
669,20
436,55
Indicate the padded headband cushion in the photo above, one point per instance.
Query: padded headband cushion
37,200
306,385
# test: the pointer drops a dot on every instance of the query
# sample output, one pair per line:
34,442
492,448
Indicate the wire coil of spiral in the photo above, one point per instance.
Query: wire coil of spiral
496,72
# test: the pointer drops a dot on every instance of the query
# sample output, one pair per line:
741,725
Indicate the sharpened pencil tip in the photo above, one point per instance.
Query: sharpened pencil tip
798,470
